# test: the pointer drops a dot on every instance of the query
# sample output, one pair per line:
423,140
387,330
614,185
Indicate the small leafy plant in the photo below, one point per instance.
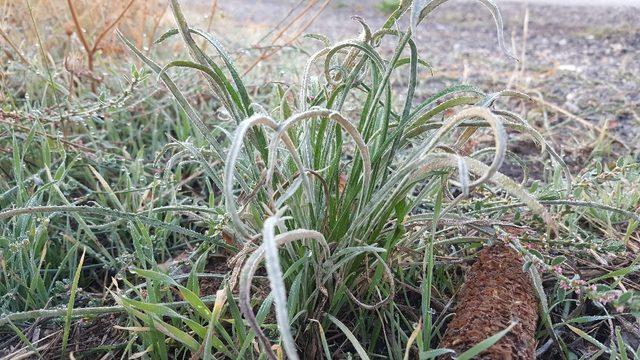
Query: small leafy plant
328,198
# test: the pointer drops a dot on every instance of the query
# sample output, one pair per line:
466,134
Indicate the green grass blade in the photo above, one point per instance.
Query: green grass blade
484,344
72,298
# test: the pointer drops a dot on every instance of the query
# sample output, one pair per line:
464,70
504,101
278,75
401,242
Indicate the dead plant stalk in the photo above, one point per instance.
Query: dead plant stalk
91,50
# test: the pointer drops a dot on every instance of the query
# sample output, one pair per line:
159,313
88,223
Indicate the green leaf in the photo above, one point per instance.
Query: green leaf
177,334
484,344
622,346
557,260
194,300
72,297
432,354
151,308
589,338
345,330
584,319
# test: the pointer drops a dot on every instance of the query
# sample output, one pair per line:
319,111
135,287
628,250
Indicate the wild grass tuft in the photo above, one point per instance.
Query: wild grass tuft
326,217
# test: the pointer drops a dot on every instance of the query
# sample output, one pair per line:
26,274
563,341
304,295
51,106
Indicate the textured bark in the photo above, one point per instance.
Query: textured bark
496,292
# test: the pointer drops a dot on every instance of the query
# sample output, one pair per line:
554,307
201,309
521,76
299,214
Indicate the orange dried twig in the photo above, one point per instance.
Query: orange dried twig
267,54
90,50
212,14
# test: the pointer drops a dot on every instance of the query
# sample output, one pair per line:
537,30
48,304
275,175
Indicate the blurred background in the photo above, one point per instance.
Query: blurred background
579,55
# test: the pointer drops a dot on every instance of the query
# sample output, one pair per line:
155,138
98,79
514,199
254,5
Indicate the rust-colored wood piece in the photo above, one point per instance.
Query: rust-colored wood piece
496,292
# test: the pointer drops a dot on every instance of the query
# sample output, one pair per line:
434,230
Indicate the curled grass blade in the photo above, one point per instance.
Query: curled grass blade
232,157
249,270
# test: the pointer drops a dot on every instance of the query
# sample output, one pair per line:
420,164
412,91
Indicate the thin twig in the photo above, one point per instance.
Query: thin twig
91,50
86,311
110,26
5,36
265,55
76,23
212,14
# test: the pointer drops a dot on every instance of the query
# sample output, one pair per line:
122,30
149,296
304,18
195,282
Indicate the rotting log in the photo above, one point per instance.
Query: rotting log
496,293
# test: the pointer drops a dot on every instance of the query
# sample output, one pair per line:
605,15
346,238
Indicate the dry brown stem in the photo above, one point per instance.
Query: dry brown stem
274,47
90,50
